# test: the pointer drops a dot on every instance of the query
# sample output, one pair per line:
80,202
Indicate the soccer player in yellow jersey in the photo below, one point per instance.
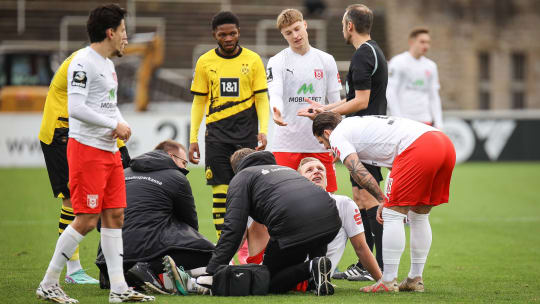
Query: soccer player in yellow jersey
53,137
229,86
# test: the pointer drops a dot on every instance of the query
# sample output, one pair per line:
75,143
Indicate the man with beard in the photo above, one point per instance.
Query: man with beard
229,86
366,95
96,176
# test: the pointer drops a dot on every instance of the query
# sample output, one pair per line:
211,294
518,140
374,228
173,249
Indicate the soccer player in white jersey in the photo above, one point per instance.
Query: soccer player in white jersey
422,159
293,74
413,83
352,227
96,175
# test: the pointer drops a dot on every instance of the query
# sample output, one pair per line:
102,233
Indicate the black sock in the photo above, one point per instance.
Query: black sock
377,230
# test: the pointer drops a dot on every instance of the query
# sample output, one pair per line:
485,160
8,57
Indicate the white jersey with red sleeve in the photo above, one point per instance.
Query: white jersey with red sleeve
351,225
292,77
91,87
413,89
377,140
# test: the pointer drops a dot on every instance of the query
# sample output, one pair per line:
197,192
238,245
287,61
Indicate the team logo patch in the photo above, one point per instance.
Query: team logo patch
338,78
336,152
269,75
318,74
114,77
357,217
208,173
229,87
389,187
79,79
245,69
92,200
264,171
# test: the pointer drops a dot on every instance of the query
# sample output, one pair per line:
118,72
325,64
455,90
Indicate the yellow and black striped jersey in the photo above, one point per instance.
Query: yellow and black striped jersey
55,111
231,84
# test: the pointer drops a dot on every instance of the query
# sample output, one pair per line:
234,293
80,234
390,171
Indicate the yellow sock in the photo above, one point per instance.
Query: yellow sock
218,209
66,217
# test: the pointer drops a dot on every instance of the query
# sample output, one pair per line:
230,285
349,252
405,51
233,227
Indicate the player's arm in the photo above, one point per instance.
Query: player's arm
234,225
362,176
363,66
262,106
199,89
333,81
365,255
184,205
274,77
435,101
393,88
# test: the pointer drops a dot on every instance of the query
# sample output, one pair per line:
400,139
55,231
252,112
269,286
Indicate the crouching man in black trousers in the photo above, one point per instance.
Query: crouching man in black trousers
301,219
160,222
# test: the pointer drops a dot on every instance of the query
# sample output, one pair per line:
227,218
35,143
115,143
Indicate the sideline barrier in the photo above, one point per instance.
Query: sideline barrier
477,135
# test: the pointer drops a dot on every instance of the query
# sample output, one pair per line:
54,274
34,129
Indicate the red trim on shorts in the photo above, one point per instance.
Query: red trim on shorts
96,178
292,160
421,174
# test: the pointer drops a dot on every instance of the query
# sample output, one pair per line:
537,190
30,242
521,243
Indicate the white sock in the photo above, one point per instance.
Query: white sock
196,272
113,250
393,242
65,247
420,242
73,266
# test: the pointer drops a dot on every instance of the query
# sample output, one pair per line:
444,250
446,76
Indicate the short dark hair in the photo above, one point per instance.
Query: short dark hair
238,156
325,121
170,145
361,17
417,31
224,18
102,18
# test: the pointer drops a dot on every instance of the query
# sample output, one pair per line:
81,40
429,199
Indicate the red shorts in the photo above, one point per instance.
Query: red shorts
96,178
292,160
421,174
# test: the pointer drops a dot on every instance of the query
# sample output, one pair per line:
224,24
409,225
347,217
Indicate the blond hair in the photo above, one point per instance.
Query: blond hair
288,17
306,160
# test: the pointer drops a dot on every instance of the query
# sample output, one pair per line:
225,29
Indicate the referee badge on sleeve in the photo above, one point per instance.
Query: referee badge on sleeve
269,76
79,79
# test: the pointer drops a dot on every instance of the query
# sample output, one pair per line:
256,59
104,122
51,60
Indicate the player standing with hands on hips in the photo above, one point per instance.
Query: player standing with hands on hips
366,95
229,86
96,175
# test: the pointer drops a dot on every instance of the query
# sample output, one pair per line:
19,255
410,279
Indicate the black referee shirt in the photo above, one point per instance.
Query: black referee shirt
368,71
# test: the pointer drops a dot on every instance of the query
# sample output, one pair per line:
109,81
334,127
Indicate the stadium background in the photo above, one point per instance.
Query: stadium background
486,241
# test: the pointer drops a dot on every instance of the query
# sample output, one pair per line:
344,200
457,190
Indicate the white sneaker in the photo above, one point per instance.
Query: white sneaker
54,294
129,295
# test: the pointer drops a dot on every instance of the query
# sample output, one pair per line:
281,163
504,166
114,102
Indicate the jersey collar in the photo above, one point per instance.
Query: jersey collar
225,57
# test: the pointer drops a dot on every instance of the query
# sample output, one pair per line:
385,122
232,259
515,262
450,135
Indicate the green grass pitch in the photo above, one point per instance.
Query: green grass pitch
486,241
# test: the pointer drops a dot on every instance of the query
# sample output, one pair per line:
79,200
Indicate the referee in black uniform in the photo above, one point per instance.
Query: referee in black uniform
366,95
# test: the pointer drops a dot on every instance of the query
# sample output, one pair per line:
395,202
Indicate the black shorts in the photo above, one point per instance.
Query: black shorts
373,170
217,161
55,156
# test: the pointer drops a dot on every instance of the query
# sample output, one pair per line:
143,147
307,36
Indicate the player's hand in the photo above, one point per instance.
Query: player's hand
379,214
277,117
194,153
262,142
122,131
311,111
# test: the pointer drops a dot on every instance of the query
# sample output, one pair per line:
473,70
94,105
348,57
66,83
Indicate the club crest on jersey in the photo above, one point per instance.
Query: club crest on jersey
338,78
114,77
91,200
79,79
245,69
318,74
